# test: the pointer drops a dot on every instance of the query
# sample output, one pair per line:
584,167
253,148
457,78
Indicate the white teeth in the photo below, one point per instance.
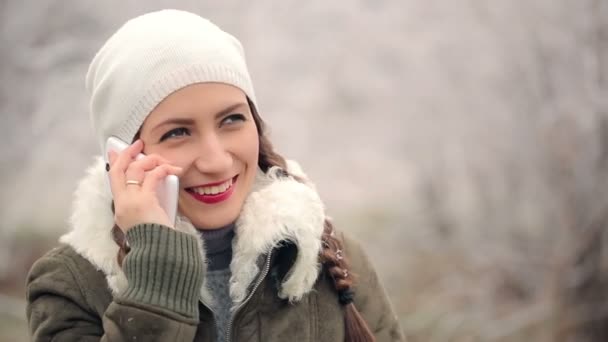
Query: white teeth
213,190
225,186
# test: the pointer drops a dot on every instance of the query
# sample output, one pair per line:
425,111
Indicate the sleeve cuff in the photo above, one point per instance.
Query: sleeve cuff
164,269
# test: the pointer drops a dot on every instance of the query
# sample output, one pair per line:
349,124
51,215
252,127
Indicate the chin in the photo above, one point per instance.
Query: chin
212,221
212,216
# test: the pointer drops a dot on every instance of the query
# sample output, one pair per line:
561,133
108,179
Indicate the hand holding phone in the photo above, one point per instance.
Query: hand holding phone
167,189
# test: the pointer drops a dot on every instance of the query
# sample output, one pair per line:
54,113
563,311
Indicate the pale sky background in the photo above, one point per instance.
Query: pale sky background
436,132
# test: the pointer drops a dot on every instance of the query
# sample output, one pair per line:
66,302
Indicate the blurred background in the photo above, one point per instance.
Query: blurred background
465,143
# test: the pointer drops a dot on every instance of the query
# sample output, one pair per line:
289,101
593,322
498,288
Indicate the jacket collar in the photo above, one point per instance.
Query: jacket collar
277,209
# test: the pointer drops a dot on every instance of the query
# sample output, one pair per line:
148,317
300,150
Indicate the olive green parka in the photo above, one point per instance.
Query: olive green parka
279,290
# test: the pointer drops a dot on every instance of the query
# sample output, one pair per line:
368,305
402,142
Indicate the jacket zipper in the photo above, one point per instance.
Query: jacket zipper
255,287
213,315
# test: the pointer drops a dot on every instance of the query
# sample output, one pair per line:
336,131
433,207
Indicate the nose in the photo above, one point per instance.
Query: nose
213,156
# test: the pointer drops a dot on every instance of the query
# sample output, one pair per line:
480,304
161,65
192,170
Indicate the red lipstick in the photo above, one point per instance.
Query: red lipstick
212,199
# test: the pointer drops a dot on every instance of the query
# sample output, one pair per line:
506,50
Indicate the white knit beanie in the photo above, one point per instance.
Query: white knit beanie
152,56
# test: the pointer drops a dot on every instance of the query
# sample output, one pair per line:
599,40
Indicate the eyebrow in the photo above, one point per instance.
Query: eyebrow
188,121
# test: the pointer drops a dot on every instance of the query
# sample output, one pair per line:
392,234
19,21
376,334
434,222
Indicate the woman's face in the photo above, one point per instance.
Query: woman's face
208,130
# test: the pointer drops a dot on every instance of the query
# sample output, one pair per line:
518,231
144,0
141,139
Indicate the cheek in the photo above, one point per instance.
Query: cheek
250,148
182,158
177,157
244,146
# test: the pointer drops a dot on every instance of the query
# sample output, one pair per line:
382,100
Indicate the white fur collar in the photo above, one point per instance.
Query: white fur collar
277,209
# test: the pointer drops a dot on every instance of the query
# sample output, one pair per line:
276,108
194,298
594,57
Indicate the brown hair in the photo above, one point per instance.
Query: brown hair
332,254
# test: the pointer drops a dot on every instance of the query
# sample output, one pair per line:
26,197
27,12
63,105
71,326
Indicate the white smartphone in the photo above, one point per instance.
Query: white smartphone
167,190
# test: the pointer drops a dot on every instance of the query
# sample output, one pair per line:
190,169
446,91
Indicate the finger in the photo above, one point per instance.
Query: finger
119,162
126,156
148,163
161,158
138,169
134,174
154,177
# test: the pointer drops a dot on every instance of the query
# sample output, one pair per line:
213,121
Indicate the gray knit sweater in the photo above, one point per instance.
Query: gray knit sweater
218,247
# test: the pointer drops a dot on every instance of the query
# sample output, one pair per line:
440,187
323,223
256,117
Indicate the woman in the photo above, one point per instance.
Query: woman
252,256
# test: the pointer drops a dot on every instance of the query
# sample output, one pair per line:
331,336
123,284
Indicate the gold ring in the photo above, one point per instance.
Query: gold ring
133,182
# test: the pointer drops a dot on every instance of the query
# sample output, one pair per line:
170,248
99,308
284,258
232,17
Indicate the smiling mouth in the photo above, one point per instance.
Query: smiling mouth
211,194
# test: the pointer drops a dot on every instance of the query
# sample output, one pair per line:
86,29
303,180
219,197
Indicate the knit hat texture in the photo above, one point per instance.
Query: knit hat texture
152,56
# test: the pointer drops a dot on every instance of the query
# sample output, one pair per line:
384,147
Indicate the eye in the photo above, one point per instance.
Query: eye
176,132
233,119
